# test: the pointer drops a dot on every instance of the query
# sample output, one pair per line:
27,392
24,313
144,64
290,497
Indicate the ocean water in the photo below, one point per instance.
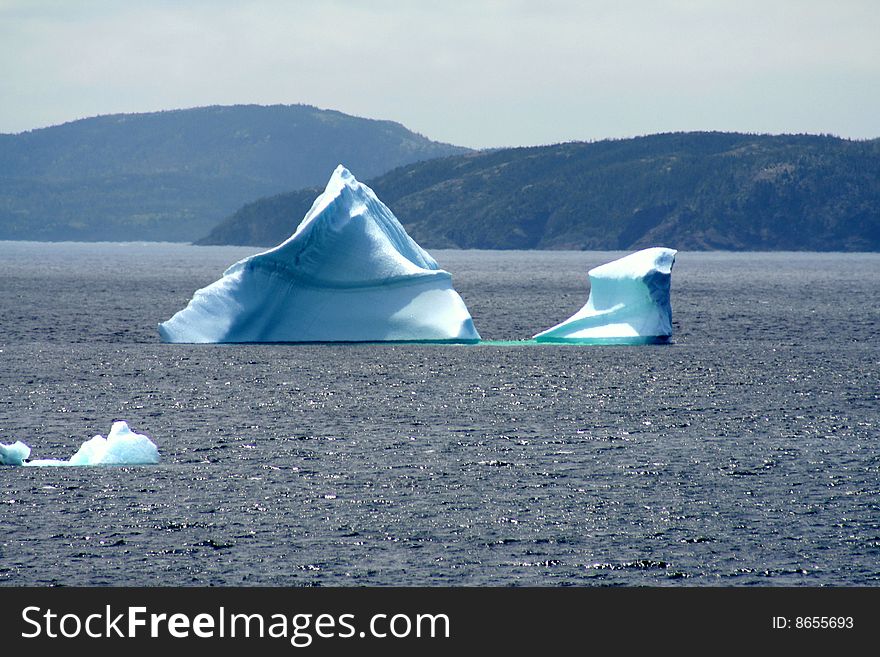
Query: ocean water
744,453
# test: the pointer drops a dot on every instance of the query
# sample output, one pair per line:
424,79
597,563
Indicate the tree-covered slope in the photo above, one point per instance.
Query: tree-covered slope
683,190
174,175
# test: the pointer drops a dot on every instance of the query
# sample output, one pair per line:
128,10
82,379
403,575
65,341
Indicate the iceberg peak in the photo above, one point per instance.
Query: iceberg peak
349,220
348,273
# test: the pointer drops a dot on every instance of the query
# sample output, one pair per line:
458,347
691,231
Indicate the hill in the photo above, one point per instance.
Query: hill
174,175
693,191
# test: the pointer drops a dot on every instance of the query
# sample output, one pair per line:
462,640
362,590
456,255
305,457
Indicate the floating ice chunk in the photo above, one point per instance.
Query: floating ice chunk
349,273
121,447
14,454
628,303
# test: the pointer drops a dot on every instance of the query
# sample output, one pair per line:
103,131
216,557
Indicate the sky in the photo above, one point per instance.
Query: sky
477,73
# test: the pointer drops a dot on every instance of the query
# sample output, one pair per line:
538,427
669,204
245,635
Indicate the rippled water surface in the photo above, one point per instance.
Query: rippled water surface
745,452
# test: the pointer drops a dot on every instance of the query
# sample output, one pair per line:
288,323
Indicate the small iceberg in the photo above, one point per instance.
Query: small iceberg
15,454
628,303
121,447
349,273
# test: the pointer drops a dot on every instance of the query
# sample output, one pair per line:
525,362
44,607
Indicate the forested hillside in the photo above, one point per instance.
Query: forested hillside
683,190
174,175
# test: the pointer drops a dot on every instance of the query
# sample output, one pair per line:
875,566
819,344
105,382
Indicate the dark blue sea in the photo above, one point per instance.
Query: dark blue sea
747,452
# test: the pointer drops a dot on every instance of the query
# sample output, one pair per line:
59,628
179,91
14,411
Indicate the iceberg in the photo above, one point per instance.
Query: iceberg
349,273
15,454
122,446
628,303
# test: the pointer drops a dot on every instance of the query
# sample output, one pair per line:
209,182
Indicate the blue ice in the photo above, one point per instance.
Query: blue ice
349,273
628,303
122,446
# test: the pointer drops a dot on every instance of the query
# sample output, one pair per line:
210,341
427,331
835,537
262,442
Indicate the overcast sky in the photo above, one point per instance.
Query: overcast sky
477,73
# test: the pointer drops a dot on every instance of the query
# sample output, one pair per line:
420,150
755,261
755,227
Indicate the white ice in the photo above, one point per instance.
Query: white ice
122,446
14,454
628,303
349,273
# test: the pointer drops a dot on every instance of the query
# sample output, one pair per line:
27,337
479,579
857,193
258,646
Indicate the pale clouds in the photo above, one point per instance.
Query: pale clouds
477,73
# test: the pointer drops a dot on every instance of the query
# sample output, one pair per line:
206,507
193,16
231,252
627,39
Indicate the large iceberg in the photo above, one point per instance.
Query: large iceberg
349,273
628,303
122,446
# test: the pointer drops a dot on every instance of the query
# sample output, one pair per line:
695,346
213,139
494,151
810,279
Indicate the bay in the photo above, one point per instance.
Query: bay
744,453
